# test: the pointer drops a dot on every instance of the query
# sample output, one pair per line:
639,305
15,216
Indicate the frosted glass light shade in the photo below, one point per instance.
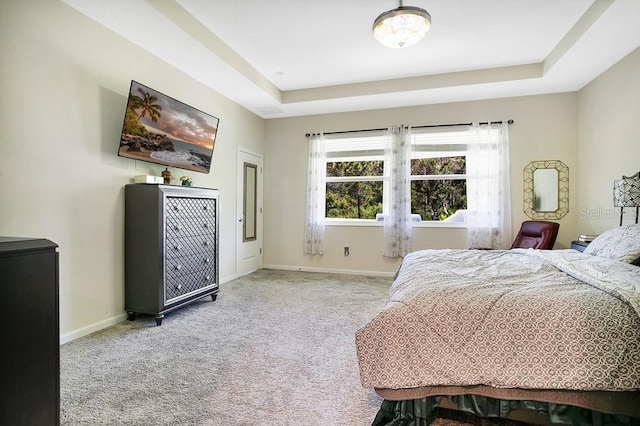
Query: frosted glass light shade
402,27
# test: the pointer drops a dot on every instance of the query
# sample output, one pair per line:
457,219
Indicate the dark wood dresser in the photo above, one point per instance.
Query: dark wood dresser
29,331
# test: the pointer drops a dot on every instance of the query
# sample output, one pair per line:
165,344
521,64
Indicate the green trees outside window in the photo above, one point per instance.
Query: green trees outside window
436,193
355,199
438,188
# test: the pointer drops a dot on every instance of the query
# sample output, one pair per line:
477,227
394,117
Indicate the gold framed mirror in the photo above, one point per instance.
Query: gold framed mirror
546,189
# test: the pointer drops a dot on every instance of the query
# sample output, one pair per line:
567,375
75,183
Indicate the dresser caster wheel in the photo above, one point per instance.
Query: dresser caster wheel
159,320
214,297
131,316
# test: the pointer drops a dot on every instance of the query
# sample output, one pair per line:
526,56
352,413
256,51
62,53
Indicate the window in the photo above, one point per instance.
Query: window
355,180
438,174
438,186
354,189
453,175
357,176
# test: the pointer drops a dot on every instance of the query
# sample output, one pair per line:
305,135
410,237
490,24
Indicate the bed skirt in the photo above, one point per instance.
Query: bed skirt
414,406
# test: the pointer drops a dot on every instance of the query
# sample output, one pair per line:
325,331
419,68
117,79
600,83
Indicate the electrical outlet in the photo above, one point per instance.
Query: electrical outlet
346,250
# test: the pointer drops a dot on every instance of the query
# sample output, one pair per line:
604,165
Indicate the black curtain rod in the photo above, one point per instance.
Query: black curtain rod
413,127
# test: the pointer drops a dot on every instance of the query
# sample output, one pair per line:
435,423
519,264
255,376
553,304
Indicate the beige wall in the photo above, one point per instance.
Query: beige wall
545,128
63,87
609,134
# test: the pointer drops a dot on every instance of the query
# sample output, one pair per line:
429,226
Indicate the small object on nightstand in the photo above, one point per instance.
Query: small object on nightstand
147,179
579,245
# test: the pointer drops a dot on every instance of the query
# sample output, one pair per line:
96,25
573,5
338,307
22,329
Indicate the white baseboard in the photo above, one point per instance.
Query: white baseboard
227,279
92,328
329,271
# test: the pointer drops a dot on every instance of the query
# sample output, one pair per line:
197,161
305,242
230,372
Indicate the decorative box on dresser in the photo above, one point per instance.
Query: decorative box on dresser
171,247
30,355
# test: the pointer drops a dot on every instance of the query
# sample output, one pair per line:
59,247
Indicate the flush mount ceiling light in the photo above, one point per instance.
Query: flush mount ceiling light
401,27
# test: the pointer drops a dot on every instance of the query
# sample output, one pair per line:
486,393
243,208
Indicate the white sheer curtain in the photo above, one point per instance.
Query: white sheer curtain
316,191
488,188
397,222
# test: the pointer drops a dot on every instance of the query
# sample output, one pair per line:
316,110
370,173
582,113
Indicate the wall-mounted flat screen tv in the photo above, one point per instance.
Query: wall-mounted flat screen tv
165,131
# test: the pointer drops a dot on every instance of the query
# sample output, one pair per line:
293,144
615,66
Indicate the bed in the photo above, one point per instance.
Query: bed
551,331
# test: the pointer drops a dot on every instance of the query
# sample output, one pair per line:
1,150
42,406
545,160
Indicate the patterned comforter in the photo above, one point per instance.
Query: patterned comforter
528,319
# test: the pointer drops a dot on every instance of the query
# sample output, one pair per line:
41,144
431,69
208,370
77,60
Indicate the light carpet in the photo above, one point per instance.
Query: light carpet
275,348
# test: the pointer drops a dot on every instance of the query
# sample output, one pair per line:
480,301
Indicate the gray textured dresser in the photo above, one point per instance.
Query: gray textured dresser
171,247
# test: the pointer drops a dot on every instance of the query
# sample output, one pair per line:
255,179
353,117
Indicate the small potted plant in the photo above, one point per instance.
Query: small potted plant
186,180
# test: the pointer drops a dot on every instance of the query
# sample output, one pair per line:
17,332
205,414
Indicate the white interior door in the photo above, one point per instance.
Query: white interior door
249,213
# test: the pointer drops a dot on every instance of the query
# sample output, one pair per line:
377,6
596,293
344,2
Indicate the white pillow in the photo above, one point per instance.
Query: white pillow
622,243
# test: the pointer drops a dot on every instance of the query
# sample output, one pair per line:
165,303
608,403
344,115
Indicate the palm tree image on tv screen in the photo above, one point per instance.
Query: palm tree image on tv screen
163,130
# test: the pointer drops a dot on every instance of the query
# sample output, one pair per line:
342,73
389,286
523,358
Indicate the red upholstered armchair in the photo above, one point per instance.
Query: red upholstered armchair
537,234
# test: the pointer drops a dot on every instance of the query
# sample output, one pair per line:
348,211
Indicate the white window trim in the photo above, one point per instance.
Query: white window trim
380,224
439,177
356,179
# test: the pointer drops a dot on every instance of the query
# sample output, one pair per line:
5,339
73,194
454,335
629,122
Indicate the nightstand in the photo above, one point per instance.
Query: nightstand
579,245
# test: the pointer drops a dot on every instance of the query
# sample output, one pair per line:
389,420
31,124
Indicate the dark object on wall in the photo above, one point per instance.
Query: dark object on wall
537,234
163,130
171,247
30,360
